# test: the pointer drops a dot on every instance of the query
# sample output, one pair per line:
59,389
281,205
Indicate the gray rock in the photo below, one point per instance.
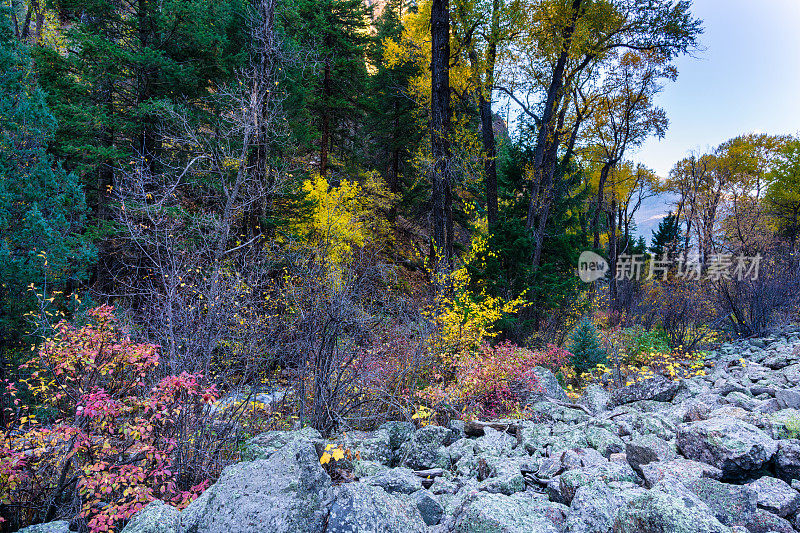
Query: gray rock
604,441
422,450
742,400
776,496
506,484
520,513
762,521
645,449
658,388
399,433
494,442
597,398
678,470
156,517
263,445
787,460
401,480
428,506
659,511
289,492
734,446
59,526
366,509
593,509
732,504
362,469
571,480
788,398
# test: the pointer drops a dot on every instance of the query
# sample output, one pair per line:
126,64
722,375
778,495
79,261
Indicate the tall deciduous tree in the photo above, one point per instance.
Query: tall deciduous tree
442,210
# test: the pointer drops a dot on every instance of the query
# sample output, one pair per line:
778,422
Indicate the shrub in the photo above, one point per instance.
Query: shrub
112,445
585,347
494,380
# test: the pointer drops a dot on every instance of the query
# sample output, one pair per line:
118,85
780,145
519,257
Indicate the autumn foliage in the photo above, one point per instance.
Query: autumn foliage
109,443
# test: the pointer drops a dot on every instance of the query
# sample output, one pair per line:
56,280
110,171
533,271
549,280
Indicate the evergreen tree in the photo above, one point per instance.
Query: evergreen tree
393,130
584,345
666,236
42,207
335,34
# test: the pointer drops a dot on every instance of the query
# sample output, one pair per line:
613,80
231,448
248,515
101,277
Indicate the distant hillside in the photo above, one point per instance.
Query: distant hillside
651,212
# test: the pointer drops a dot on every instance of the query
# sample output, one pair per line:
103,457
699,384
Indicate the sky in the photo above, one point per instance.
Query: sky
745,79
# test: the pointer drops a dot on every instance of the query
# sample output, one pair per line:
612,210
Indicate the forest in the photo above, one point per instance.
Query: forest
220,217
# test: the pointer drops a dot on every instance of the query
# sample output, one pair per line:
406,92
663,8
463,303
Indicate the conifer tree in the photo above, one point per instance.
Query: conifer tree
42,207
585,347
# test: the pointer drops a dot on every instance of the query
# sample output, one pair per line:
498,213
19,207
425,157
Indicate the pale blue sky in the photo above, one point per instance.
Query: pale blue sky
747,79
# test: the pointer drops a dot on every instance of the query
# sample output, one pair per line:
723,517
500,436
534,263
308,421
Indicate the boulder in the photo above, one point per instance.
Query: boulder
421,452
550,386
663,511
593,509
520,513
156,517
59,526
733,505
428,506
571,480
657,388
776,496
645,449
678,470
289,492
401,480
366,509
263,445
787,460
762,521
788,398
506,484
604,441
735,447
597,398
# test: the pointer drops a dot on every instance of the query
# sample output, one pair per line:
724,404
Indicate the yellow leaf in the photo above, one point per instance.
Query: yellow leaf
326,458
338,454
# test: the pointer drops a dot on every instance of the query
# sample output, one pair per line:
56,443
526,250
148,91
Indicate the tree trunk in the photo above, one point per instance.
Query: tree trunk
598,204
487,124
440,129
543,168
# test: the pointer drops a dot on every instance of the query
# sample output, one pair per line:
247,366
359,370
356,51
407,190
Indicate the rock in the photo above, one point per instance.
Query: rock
156,517
605,442
734,446
506,484
597,398
762,521
374,446
420,452
263,445
59,526
678,470
533,436
289,492
658,388
494,442
496,513
776,496
367,509
659,511
645,449
787,460
788,398
571,480
549,387
401,480
593,509
732,504
428,506
739,399
362,469
783,424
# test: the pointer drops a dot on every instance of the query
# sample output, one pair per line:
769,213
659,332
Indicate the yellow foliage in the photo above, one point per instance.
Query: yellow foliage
345,217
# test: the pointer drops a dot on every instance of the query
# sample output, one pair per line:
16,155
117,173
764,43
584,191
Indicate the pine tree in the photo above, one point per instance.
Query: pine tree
393,130
666,236
335,34
585,347
42,207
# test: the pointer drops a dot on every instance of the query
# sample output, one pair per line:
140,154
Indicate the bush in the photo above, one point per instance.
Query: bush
113,445
585,347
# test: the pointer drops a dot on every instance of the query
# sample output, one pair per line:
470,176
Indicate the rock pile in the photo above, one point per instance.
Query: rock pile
718,453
